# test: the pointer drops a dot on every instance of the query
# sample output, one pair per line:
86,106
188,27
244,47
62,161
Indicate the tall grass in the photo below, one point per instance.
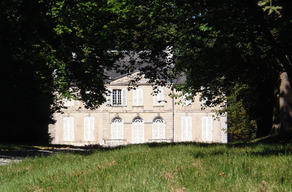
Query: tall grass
161,167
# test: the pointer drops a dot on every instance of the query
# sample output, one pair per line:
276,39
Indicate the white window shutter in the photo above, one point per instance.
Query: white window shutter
186,129
135,97
109,97
155,99
141,133
114,130
161,131
91,128
209,129
140,97
189,128
183,129
86,128
155,131
161,96
158,97
138,131
224,138
134,133
124,97
158,129
204,128
117,130
71,128
66,128
120,131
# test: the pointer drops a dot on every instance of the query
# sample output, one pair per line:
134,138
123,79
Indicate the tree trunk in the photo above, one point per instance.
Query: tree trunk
285,105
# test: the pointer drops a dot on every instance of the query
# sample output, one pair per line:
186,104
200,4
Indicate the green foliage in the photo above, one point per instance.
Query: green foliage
37,63
156,167
241,126
216,44
225,43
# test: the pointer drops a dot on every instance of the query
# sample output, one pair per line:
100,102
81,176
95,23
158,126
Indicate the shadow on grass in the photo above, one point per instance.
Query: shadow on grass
12,151
271,146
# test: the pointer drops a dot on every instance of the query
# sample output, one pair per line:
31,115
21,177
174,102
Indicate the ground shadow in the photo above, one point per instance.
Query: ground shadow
271,146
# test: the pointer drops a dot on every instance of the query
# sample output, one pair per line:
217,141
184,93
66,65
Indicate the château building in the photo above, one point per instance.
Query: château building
138,115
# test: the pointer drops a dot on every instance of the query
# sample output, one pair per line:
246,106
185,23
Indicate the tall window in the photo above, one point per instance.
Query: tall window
88,128
158,96
207,128
186,129
68,126
117,129
158,128
117,97
137,97
138,130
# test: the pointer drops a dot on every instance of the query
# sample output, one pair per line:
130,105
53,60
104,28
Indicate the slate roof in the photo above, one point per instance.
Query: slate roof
130,64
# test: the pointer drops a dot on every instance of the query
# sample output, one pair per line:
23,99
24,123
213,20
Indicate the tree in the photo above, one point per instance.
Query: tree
54,49
225,42
218,44
38,69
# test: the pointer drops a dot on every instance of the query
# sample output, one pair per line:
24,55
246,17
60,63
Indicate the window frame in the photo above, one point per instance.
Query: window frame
116,100
116,97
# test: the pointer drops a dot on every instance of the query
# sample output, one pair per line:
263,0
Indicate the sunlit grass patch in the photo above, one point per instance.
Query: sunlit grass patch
164,167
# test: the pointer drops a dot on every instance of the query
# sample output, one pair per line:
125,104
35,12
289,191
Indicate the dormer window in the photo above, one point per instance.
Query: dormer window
117,97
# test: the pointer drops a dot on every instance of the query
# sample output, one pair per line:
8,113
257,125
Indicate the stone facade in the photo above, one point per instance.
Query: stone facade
137,116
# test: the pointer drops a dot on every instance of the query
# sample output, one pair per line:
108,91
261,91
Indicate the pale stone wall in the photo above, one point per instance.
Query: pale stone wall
103,116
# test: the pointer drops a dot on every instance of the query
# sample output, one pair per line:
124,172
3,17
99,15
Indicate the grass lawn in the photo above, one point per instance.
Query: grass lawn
157,167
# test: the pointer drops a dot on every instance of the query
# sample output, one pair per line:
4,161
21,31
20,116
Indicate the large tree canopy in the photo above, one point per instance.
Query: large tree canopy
219,45
231,42
53,49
